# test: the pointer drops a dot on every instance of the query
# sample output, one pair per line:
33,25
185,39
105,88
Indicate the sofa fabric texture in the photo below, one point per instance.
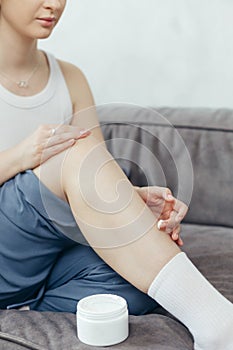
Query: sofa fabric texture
190,151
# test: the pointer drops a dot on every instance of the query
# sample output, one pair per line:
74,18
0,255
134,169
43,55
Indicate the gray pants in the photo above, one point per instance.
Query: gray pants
41,266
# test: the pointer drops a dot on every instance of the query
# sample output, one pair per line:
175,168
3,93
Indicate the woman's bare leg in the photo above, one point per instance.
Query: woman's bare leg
112,216
122,230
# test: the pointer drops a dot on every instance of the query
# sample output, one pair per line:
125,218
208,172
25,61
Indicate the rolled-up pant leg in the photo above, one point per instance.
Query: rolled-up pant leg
80,272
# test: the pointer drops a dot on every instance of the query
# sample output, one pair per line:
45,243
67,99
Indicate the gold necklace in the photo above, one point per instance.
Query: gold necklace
22,83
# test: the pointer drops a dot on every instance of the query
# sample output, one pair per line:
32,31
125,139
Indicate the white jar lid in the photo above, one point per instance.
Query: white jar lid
101,306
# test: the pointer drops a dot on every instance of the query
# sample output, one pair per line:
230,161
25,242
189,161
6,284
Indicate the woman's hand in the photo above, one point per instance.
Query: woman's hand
47,141
168,210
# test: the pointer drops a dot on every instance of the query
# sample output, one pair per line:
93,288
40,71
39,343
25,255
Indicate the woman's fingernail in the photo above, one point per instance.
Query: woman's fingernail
160,224
169,196
84,131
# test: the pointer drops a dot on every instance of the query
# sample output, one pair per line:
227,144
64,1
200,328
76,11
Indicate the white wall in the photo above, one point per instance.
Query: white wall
151,52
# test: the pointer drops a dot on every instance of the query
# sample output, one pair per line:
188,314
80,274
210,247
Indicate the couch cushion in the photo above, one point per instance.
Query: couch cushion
51,331
188,150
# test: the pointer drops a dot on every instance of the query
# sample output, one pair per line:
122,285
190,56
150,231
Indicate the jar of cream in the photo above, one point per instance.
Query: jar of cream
102,320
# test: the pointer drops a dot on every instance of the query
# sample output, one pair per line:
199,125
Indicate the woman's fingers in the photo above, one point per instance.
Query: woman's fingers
157,192
173,231
168,225
61,138
179,242
174,234
178,209
61,134
55,149
181,210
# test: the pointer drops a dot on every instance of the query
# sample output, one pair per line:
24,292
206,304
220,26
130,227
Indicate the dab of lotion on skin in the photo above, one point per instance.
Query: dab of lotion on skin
102,320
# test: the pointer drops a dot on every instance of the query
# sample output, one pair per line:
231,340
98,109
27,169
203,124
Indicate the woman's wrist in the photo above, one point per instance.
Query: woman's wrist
10,164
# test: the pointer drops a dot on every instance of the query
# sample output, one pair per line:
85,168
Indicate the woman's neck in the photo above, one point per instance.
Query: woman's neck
24,69
16,52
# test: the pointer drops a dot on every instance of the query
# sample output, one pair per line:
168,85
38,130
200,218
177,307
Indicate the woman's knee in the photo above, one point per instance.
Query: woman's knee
58,170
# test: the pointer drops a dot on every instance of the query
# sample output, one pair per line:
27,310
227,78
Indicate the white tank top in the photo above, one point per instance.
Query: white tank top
20,116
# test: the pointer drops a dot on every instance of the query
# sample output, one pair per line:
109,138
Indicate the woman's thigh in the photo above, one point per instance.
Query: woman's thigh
79,272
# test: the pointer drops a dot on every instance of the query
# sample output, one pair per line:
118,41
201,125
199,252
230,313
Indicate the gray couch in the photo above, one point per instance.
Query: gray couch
190,151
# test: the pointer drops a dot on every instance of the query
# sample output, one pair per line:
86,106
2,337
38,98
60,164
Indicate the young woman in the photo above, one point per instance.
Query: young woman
54,174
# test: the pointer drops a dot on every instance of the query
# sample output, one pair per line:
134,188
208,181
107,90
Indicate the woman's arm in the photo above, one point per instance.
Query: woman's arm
9,165
47,141
84,111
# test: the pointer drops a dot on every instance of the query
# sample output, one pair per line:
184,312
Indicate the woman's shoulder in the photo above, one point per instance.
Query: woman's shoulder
70,70
77,84
72,74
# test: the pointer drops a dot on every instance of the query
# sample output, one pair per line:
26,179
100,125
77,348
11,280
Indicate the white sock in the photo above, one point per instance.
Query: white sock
183,291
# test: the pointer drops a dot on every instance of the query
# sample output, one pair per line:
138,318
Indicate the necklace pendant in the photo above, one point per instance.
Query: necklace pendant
22,84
